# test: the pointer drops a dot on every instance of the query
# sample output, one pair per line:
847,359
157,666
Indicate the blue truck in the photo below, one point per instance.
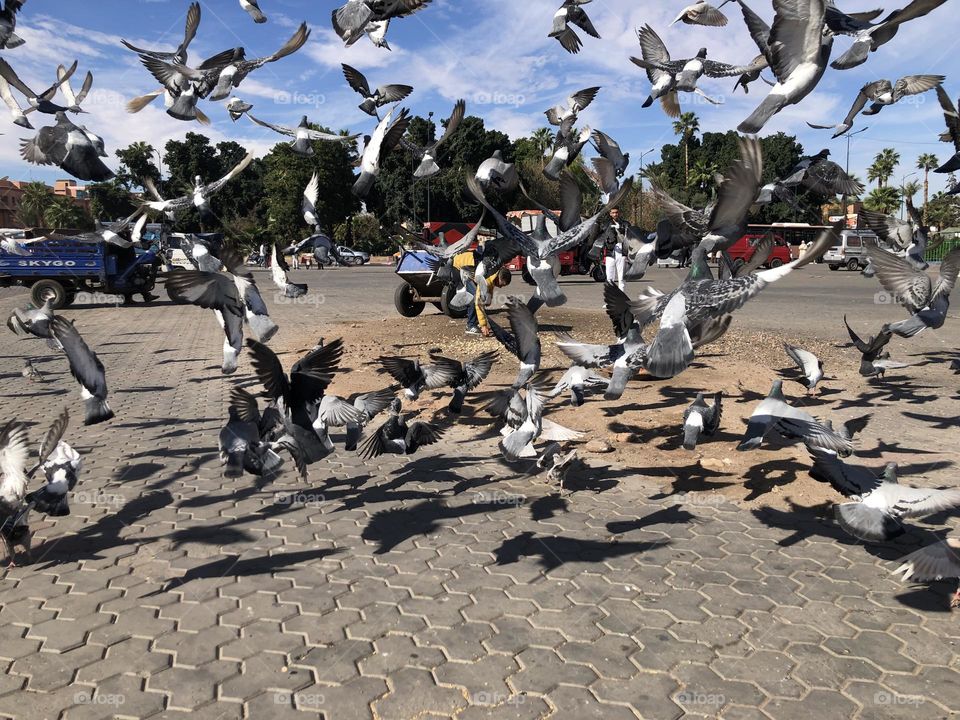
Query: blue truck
60,266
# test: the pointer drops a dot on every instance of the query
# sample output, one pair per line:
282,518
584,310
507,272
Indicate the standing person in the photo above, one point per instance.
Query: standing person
467,260
615,244
295,261
263,255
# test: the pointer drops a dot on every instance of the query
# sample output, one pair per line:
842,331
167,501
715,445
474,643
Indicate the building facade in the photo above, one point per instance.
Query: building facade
11,195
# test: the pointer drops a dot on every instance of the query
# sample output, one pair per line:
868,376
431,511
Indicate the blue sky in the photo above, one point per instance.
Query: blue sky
494,53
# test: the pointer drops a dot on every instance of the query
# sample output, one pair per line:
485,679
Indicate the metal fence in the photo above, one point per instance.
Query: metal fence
938,253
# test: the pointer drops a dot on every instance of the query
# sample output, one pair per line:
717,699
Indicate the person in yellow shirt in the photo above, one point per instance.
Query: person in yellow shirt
476,312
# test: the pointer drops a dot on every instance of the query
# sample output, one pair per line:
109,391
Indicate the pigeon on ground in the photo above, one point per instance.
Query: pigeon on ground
202,193
472,373
30,372
72,148
8,23
773,413
881,93
240,442
938,561
426,157
874,361
701,419
414,378
86,369
397,436
556,463
572,13
872,36
579,381
809,364
368,406
878,503
304,136
357,17
237,108
384,139
799,53
278,273
296,397
373,99
253,10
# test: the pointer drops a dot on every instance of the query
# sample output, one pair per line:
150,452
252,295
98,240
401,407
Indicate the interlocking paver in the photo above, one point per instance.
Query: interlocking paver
206,597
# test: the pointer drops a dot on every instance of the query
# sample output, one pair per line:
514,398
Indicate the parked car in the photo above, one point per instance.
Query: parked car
351,256
744,248
851,253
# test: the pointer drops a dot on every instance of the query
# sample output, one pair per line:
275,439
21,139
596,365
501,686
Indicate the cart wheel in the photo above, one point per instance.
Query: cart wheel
404,302
456,313
43,290
599,273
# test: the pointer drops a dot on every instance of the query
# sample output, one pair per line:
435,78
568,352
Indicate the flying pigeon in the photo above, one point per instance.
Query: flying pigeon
572,13
565,116
368,406
773,413
14,451
938,561
871,37
308,204
357,17
202,193
472,373
373,99
881,93
799,51
609,150
189,33
396,436
303,136
701,419
427,156
874,362
523,342
414,378
61,465
240,442
579,381
278,273
72,148
878,503
237,108
384,139
253,9
810,365
33,321
86,369
701,13
565,151
910,287
951,135
43,101
494,171
8,23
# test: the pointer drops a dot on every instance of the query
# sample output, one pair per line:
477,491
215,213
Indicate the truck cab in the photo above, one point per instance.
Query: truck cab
58,266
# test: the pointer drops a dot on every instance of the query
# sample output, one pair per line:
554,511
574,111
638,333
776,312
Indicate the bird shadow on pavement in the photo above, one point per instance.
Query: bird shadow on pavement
554,551
764,477
389,528
666,516
548,507
685,478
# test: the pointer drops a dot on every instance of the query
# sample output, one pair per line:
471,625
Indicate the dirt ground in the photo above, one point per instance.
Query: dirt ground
912,414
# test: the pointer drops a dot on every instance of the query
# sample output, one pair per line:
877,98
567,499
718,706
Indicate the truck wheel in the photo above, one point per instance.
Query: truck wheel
527,278
48,289
456,313
599,274
834,267
404,302
852,264
776,262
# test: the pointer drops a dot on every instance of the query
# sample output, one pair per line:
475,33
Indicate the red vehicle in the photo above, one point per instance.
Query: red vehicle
744,248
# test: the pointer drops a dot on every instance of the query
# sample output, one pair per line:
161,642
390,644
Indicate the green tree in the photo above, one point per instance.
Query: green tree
944,211
686,126
34,201
110,200
702,174
543,139
884,163
362,232
883,199
63,213
136,163
926,162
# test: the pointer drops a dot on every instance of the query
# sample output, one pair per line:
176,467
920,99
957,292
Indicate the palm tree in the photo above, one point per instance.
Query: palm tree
36,198
62,213
686,126
883,199
543,139
702,173
884,163
926,162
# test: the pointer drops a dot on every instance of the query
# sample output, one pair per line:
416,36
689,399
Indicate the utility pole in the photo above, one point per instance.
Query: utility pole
903,193
846,169
640,175
432,134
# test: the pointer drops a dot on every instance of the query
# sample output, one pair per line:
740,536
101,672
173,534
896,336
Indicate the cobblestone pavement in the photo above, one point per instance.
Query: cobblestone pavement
448,585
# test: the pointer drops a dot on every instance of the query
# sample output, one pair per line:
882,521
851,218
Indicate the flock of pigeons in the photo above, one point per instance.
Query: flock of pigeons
301,416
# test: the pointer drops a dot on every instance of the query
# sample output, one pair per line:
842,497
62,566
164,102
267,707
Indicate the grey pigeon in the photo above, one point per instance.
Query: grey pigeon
572,13
384,139
72,148
397,436
426,156
8,23
357,17
304,136
86,369
881,93
415,377
579,381
872,36
252,8
701,13
472,373
938,561
373,99
701,419
809,364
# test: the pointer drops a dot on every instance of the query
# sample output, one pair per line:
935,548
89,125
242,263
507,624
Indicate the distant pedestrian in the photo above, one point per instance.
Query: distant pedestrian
615,244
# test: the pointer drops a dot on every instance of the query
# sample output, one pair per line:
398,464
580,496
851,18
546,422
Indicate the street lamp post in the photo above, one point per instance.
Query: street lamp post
843,200
432,134
640,175
903,192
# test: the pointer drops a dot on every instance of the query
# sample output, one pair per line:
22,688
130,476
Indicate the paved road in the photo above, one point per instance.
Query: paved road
446,586
802,300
